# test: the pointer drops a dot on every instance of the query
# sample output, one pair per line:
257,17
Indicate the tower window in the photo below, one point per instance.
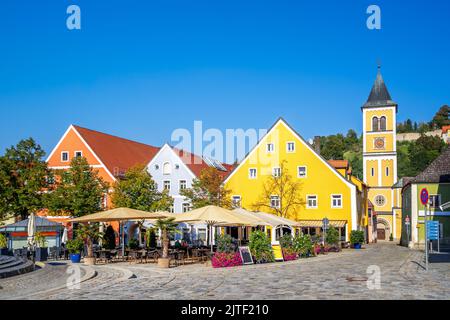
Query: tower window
375,126
387,171
383,123
372,172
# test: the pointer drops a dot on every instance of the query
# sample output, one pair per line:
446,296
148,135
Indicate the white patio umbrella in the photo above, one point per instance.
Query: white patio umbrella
65,236
31,230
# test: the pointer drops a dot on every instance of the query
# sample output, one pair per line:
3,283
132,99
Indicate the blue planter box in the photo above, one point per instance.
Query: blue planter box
4,252
357,246
75,258
41,254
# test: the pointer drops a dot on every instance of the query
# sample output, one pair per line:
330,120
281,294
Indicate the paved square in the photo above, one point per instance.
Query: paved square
333,276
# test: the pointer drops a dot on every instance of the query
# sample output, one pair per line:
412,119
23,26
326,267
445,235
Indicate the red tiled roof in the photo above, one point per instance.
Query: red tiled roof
117,154
339,164
445,129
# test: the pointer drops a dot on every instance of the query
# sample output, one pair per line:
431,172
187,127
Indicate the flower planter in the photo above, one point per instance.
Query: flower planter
41,254
89,261
226,260
357,246
75,257
164,263
4,251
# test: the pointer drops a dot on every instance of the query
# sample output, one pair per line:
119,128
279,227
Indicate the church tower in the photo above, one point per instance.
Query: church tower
380,155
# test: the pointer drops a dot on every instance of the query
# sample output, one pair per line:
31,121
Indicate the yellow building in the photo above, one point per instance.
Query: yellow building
380,158
323,190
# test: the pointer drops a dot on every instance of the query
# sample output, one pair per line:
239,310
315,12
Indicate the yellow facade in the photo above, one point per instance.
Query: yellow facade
320,178
380,165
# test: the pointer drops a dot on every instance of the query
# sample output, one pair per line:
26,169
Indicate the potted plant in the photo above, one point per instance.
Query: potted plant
303,245
226,256
41,250
75,247
391,237
3,245
133,244
287,247
89,233
332,240
357,238
261,247
168,227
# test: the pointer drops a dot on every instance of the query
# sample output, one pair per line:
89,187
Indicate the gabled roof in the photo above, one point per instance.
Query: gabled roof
438,171
339,164
117,154
379,95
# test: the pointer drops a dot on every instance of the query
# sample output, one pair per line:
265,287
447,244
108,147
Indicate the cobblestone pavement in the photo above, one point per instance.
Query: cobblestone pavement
333,276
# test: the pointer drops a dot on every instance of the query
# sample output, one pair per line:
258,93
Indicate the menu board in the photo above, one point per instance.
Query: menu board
246,255
277,252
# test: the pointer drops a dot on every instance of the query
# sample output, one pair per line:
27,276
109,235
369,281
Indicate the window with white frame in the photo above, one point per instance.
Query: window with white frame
435,200
78,154
166,185
252,173
65,156
276,172
236,201
302,171
290,146
275,202
270,147
183,184
186,207
336,201
171,209
167,169
311,201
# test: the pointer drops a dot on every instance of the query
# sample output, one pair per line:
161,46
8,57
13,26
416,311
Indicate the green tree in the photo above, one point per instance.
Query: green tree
137,190
79,192
208,189
332,236
441,118
333,147
23,178
168,227
423,151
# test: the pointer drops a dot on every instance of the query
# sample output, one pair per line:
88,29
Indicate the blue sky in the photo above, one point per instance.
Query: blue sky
140,69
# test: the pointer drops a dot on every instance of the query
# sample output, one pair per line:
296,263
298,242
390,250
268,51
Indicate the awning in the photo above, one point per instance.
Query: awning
319,223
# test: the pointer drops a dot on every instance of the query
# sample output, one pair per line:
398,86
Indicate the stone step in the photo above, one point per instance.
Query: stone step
24,267
11,264
5,260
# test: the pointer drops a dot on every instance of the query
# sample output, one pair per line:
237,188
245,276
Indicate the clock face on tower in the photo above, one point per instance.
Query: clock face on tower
379,143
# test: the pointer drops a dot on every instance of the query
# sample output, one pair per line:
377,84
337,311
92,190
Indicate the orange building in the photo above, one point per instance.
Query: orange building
111,156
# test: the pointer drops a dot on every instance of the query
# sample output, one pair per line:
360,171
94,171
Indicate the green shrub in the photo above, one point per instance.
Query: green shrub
261,247
3,241
109,240
332,236
133,244
286,241
391,237
356,237
40,240
225,243
150,238
75,246
303,244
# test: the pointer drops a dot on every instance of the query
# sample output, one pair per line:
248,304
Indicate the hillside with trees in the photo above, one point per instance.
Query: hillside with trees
413,156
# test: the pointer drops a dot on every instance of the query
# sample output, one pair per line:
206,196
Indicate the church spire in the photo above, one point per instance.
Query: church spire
379,95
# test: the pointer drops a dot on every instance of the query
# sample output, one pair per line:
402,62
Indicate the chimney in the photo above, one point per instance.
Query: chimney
317,144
